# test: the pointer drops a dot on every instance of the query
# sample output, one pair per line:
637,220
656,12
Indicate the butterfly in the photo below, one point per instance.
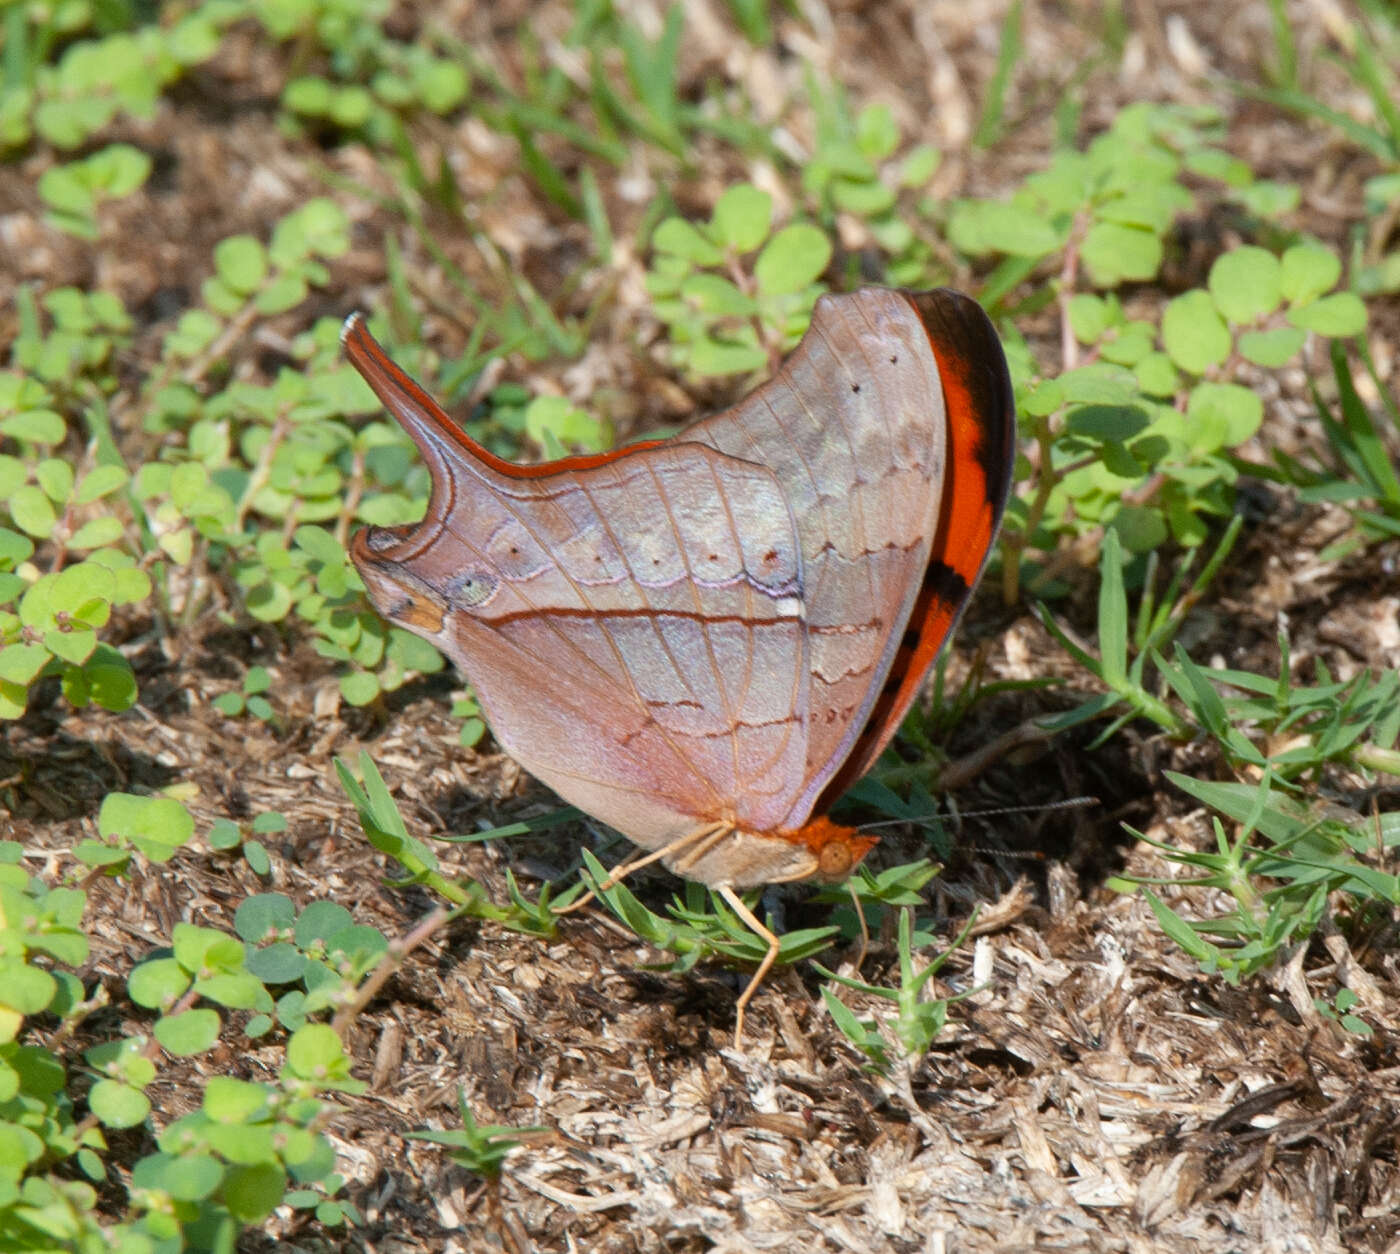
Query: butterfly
704,641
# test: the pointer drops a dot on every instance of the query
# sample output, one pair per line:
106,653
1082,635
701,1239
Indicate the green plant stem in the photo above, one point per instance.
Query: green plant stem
391,962
262,469
353,494
1374,758
1015,545
1069,275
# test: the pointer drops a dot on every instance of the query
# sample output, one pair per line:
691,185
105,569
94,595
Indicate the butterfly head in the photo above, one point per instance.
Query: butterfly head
838,850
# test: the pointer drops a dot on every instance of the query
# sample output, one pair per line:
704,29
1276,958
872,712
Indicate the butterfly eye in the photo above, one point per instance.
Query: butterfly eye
470,590
834,861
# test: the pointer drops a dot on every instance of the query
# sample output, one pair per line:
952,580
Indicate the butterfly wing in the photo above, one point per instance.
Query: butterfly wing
889,428
727,626
979,415
632,624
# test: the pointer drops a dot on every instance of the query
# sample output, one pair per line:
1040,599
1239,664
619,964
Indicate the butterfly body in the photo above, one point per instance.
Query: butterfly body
702,641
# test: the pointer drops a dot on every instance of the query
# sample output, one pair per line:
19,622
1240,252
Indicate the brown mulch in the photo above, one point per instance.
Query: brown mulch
1096,1092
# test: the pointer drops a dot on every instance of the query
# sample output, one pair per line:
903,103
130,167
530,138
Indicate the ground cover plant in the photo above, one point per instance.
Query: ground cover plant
281,953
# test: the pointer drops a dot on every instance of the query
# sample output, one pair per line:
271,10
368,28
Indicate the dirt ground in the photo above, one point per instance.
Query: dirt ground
1099,1093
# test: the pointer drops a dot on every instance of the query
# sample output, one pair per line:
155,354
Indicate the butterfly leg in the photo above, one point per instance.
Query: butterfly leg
864,927
736,903
702,837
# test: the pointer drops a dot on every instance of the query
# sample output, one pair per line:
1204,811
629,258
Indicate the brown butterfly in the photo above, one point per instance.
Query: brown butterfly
703,641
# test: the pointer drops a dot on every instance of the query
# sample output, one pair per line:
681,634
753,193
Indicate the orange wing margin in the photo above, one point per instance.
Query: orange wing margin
981,416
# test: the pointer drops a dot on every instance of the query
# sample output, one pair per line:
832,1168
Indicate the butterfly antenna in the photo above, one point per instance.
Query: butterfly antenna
1071,803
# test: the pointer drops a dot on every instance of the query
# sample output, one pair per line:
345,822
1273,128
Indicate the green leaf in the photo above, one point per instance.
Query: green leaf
20,663
229,704
711,294
315,1051
742,217
1088,317
1246,284
919,165
241,263
237,990
157,983
1269,199
285,292
683,239
37,426
1272,348
32,511
1156,375
1113,613
321,920
155,825
76,586
25,989
866,198
111,684
186,1177
709,356
359,687
1222,415
256,855
1193,333
203,949
1140,528
1308,270
795,257
876,132
55,476
1338,315
96,533
118,1105
279,963
118,170
309,96
1115,253
14,699
14,548
191,1032
64,189
978,227
1106,422
253,1192
269,602
229,1100
263,915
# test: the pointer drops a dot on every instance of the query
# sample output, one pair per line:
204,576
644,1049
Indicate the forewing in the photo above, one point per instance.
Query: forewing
632,625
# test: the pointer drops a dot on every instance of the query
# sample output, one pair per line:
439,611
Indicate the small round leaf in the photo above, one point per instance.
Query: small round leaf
192,1032
1193,333
118,1105
742,217
1246,283
792,259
